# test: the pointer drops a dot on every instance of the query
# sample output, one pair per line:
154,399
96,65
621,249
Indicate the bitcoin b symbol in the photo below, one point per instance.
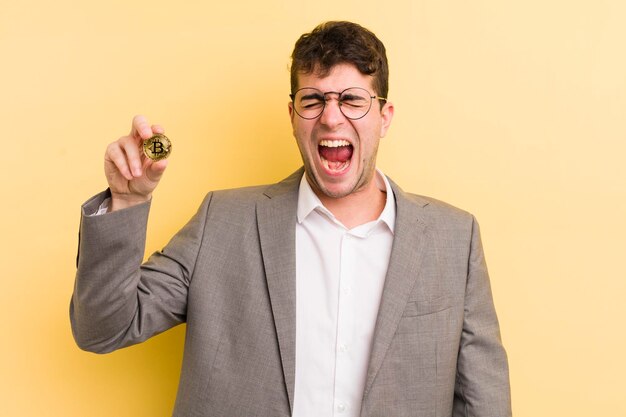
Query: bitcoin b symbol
157,147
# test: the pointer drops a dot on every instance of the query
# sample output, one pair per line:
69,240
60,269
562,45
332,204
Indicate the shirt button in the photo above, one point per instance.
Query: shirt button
341,407
343,348
346,290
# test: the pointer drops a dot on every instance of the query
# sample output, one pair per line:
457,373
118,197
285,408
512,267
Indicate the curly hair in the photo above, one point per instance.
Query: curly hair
333,43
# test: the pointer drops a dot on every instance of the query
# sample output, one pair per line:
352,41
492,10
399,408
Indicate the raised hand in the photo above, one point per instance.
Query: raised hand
131,176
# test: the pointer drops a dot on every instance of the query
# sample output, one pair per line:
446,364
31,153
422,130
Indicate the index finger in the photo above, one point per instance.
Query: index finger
140,127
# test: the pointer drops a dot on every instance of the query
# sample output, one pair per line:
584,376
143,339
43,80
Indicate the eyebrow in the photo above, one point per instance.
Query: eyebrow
311,96
352,96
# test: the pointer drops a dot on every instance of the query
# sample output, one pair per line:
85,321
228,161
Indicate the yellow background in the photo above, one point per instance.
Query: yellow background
513,110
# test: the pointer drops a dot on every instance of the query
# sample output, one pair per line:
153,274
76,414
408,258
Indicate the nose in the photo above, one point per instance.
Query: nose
332,115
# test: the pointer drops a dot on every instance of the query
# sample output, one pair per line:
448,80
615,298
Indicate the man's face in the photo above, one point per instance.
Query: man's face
339,154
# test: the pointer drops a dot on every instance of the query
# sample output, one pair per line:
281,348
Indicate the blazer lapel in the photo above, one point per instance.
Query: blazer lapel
410,238
276,217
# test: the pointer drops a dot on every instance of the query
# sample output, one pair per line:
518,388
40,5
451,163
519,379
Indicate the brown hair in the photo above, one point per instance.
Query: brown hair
333,43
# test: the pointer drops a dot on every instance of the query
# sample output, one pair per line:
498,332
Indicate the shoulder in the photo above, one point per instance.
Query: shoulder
448,226
234,201
437,208
241,200
431,211
243,195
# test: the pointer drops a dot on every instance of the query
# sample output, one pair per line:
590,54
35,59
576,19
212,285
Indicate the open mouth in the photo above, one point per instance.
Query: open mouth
335,154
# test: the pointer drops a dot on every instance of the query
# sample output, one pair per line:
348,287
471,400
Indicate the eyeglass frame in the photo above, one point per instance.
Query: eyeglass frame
339,94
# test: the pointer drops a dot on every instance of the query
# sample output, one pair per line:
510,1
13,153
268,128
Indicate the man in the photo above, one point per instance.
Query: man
330,293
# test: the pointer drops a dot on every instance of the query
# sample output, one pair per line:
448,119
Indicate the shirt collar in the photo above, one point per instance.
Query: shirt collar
308,201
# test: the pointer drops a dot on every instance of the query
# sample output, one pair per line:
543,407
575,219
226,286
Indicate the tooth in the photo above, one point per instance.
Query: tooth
334,143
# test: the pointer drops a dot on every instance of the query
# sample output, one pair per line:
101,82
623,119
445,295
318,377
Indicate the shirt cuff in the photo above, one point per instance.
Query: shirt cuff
103,208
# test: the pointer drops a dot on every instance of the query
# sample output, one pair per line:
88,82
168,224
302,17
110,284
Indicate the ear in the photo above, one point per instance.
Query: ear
292,114
290,105
386,114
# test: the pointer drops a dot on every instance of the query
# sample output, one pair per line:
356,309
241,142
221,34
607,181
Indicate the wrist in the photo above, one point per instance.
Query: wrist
119,202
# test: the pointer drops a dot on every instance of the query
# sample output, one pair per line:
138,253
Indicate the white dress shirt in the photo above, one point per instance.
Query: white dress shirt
339,282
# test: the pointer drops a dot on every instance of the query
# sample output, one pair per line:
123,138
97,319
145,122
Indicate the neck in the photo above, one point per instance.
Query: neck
359,207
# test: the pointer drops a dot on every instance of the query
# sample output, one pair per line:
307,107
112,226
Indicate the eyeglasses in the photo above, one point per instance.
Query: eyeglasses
354,102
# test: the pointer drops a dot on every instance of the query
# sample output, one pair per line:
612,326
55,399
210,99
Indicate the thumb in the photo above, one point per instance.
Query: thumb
155,170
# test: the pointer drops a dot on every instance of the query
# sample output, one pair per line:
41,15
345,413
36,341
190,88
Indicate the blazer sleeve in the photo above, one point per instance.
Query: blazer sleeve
482,381
117,301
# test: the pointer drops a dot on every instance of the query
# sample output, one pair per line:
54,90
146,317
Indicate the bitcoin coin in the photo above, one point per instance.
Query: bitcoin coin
157,147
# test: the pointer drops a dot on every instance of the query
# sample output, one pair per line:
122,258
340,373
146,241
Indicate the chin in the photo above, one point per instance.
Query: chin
337,190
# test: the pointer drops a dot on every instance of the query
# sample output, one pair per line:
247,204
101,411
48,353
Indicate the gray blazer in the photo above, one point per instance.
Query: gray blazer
230,275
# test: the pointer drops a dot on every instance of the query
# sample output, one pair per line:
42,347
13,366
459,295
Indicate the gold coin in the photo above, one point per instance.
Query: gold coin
157,147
